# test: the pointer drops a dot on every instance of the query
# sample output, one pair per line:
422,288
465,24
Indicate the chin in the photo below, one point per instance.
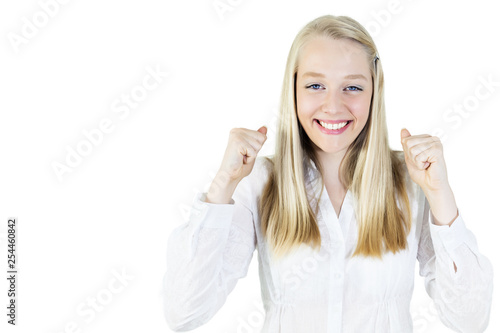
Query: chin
331,149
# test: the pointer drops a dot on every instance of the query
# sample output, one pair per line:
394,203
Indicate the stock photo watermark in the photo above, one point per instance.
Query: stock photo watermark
427,316
222,7
12,270
424,317
122,107
90,308
31,26
218,178
292,278
382,18
296,275
253,321
454,116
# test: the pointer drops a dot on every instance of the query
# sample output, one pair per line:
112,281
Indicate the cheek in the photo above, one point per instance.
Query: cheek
360,110
306,106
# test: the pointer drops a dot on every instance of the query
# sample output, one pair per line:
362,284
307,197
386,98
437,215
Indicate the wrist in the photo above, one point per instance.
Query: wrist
222,188
442,205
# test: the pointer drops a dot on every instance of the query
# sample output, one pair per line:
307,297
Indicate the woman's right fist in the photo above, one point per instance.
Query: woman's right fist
238,161
242,149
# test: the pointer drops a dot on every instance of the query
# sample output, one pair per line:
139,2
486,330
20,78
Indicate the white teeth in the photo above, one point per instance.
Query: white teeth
333,126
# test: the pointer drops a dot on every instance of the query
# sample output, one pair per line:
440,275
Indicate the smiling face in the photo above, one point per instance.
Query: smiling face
334,89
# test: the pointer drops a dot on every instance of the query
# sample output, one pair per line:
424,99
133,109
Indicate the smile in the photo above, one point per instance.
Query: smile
333,128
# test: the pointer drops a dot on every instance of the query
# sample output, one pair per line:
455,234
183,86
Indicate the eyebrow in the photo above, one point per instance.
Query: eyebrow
351,76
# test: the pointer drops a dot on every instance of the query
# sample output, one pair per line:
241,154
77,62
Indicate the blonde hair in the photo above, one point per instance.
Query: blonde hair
370,169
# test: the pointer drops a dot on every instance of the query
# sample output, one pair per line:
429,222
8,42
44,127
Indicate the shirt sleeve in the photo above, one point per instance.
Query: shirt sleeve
205,258
462,298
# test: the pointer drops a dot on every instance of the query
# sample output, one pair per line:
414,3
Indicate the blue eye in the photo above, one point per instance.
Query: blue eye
357,89
314,84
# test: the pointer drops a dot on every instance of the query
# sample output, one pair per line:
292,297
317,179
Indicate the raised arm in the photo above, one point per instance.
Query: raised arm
205,258
458,278
207,255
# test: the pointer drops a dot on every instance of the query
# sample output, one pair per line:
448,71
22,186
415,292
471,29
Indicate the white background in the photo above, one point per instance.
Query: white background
116,209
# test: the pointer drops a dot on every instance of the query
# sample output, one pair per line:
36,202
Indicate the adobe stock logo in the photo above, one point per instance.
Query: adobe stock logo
30,28
94,306
453,117
122,106
383,17
223,6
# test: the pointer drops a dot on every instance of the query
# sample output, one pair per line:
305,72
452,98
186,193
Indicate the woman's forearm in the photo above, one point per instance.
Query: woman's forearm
443,205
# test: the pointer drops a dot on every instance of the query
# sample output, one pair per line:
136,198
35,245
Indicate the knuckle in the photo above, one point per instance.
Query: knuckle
234,131
237,141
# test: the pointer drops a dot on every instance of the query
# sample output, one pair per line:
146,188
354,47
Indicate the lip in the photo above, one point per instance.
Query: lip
333,121
332,131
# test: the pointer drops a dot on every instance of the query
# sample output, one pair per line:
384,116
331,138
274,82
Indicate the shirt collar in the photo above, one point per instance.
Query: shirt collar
313,174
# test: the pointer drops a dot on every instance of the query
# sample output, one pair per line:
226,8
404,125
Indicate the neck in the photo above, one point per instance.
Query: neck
330,164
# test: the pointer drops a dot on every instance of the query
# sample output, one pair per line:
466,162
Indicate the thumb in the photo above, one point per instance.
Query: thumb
405,133
263,130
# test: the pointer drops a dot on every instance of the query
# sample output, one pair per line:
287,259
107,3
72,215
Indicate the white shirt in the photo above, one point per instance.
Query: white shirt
325,291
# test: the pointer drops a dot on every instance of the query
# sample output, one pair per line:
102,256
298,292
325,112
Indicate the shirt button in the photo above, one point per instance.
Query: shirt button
337,276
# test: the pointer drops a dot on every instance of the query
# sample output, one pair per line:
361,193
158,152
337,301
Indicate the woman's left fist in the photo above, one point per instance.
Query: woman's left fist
425,161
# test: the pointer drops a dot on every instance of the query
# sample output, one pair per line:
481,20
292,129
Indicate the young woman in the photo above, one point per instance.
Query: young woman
338,218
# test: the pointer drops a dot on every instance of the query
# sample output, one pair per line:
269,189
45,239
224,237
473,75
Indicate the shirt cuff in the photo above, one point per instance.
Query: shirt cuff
210,215
448,237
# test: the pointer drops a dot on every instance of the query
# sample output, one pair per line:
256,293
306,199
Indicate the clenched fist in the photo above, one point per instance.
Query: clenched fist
238,161
241,152
425,161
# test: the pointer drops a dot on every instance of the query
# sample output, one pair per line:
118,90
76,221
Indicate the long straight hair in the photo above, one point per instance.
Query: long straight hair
370,169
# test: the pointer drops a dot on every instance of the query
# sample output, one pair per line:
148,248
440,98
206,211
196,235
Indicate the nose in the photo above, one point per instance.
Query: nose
333,102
